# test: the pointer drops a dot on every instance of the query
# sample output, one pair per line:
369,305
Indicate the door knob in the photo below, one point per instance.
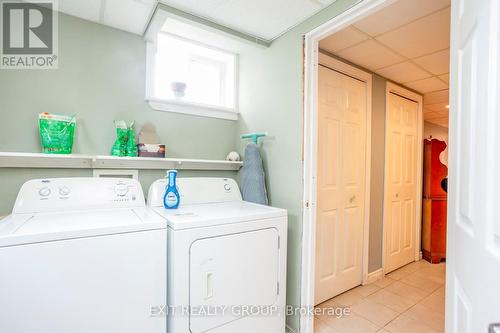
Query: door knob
397,195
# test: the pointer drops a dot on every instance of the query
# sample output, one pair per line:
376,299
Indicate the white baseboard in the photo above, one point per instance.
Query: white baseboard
420,255
375,275
288,329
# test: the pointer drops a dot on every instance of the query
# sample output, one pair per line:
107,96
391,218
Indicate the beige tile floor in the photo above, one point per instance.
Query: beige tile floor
408,300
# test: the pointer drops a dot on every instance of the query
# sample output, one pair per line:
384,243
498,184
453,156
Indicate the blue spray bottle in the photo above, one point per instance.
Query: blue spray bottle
171,198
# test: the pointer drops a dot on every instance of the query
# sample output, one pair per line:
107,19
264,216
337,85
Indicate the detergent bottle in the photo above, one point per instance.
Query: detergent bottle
171,198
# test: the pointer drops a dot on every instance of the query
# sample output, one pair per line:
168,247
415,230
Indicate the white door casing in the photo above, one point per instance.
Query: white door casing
403,173
311,56
342,134
473,243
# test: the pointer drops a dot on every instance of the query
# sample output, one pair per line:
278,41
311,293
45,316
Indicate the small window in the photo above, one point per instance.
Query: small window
189,77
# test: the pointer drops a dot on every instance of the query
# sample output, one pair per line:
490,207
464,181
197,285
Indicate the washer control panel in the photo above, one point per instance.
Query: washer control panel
60,194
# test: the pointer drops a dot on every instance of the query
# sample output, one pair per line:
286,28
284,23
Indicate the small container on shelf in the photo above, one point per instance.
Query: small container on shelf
151,150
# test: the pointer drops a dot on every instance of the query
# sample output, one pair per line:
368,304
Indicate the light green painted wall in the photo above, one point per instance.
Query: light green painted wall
271,100
101,77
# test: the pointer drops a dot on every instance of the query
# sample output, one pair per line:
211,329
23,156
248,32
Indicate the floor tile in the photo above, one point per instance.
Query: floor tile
377,313
421,281
404,324
433,319
322,327
407,291
346,299
398,274
367,289
390,300
384,282
352,324
434,302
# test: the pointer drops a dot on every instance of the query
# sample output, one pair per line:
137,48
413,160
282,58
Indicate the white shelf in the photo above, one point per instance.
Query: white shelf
37,160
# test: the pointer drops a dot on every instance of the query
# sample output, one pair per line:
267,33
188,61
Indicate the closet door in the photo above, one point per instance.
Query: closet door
341,183
402,151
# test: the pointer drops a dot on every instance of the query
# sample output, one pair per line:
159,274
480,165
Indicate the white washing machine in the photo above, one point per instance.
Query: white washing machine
226,259
82,255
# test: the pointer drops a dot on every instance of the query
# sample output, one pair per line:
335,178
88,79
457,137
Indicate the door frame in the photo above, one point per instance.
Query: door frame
406,93
310,107
361,75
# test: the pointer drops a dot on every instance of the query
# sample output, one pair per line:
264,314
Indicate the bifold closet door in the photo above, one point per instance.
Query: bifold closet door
340,184
401,183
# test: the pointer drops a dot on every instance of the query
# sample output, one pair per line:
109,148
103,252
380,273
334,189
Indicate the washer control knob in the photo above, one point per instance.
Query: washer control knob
227,187
44,192
64,191
121,189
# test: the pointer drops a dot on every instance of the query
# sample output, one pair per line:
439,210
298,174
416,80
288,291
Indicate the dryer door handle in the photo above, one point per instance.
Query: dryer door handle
208,291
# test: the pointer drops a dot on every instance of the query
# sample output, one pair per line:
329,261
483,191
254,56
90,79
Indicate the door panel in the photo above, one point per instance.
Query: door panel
341,183
473,247
401,191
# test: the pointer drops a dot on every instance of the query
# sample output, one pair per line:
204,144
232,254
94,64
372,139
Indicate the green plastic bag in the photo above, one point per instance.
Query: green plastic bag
132,142
56,133
120,145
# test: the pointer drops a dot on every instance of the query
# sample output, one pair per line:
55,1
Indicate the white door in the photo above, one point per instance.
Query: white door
341,183
400,211
473,253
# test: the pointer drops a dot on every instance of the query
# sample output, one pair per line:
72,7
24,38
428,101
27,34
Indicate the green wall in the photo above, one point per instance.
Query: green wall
271,100
101,77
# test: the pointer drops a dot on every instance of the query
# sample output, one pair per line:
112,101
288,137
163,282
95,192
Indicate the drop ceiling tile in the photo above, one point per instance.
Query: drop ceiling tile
437,63
421,37
437,107
398,14
85,9
431,115
443,121
437,97
371,55
427,85
128,15
261,18
403,72
445,78
342,39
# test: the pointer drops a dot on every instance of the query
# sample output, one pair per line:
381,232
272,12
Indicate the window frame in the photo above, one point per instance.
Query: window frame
189,107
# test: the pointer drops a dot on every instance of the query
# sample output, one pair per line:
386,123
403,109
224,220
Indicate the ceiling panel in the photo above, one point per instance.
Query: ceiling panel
398,14
371,55
87,10
424,36
437,63
403,72
261,18
128,15
436,97
437,107
445,78
342,39
427,85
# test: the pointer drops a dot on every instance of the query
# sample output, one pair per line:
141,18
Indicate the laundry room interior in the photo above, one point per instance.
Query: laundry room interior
226,166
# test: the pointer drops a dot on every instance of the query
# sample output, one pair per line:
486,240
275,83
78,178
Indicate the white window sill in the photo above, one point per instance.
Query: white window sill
201,110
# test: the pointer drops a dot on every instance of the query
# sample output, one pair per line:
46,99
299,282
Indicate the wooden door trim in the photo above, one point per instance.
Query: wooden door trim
365,77
405,93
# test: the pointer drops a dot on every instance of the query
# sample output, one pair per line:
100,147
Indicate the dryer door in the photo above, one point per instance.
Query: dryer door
229,273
